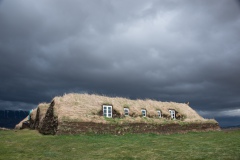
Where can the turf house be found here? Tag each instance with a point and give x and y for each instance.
(84, 113)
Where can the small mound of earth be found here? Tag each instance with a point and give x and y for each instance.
(5, 129)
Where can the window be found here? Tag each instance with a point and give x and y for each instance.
(159, 113)
(126, 111)
(107, 111)
(144, 112)
(172, 113)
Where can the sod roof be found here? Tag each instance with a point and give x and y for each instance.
(88, 108)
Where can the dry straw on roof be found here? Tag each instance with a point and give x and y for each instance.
(86, 108)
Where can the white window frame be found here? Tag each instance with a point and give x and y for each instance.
(107, 111)
(144, 110)
(159, 113)
(126, 109)
(172, 113)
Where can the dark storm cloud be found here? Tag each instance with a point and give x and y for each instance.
(166, 50)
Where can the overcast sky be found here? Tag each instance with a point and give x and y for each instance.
(168, 50)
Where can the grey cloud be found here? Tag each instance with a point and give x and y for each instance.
(15, 105)
(165, 50)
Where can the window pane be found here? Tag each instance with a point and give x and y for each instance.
(104, 107)
(144, 113)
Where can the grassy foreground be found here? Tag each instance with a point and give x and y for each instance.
(29, 144)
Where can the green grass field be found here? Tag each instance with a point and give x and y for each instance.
(29, 144)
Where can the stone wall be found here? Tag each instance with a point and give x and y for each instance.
(100, 128)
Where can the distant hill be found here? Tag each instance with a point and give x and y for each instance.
(230, 127)
(9, 118)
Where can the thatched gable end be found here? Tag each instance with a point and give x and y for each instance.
(50, 121)
(34, 120)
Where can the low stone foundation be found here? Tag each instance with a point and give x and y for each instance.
(119, 129)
